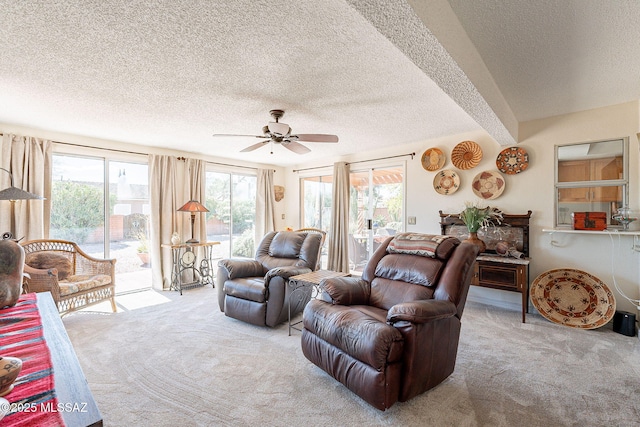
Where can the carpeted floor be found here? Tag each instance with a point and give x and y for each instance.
(169, 360)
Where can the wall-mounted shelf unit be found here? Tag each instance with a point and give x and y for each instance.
(604, 232)
(610, 233)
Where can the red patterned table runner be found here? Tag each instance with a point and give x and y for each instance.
(33, 401)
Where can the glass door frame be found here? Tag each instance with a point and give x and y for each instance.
(370, 225)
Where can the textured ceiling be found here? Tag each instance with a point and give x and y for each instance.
(552, 57)
(170, 74)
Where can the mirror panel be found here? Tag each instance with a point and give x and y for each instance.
(591, 177)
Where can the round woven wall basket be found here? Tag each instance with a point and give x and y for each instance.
(573, 298)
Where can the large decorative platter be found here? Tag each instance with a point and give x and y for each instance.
(488, 185)
(573, 298)
(446, 182)
(512, 160)
(466, 155)
(433, 159)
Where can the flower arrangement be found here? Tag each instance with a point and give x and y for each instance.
(474, 217)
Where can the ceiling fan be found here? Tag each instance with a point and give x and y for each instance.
(280, 133)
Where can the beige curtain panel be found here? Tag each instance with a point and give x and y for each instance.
(163, 219)
(339, 233)
(29, 161)
(196, 170)
(265, 204)
(172, 183)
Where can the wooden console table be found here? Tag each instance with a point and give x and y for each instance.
(75, 403)
(70, 382)
(185, 260)
(490, 269)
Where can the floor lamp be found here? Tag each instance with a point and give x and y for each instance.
(193, 206)
(12, 194)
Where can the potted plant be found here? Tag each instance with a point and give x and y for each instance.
(476, 217)
(143, 249)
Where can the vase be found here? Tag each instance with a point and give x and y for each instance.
(9, 369)
(474, 240)
(175, 239)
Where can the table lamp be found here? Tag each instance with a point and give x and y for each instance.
(12, 194)
(193, 206)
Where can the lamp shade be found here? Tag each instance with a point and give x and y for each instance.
(14, 193)
(193, 206)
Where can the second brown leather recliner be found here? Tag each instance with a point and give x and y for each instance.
(255, 290)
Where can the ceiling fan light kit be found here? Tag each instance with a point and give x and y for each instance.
(279, 128)
(280, 133)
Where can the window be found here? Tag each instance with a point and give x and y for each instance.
(231, 200)
(591, 177)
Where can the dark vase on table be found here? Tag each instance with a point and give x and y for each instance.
(475, 240)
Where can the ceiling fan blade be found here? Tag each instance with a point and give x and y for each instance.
(217, 135)
(254, 146)
(315, 137)
(295, 147)
(279, 128)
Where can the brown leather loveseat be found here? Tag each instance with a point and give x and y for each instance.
(393, 334)
(255, 290)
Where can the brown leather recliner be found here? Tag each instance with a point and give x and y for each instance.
(255, 290)
(393, 333)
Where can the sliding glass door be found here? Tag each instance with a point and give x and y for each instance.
(231, 200)
(103, 206)
(376, 211)
(315, 211)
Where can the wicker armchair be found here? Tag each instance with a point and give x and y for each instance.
(76, 280)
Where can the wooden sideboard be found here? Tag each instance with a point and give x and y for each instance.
(490, 269)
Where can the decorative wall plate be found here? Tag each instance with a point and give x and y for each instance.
(446, 182)
(488, 185)
(466, 155)
(512, 160)
(433, 159)
(573, 298)
(278, 191)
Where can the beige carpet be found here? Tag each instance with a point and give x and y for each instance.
(178, 361)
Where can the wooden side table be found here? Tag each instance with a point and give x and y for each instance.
(303, 286)
(184, 258)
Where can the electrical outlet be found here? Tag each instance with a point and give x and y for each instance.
(411, 220)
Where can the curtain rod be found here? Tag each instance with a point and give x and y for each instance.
(142, 154)
(100, 148)
(359, 161)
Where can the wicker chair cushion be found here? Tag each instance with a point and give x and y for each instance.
(46, 260)
(82, 282)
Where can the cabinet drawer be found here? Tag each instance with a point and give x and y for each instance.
(500, 276)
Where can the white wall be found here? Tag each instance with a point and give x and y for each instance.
(611, 260)
(531, 190)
